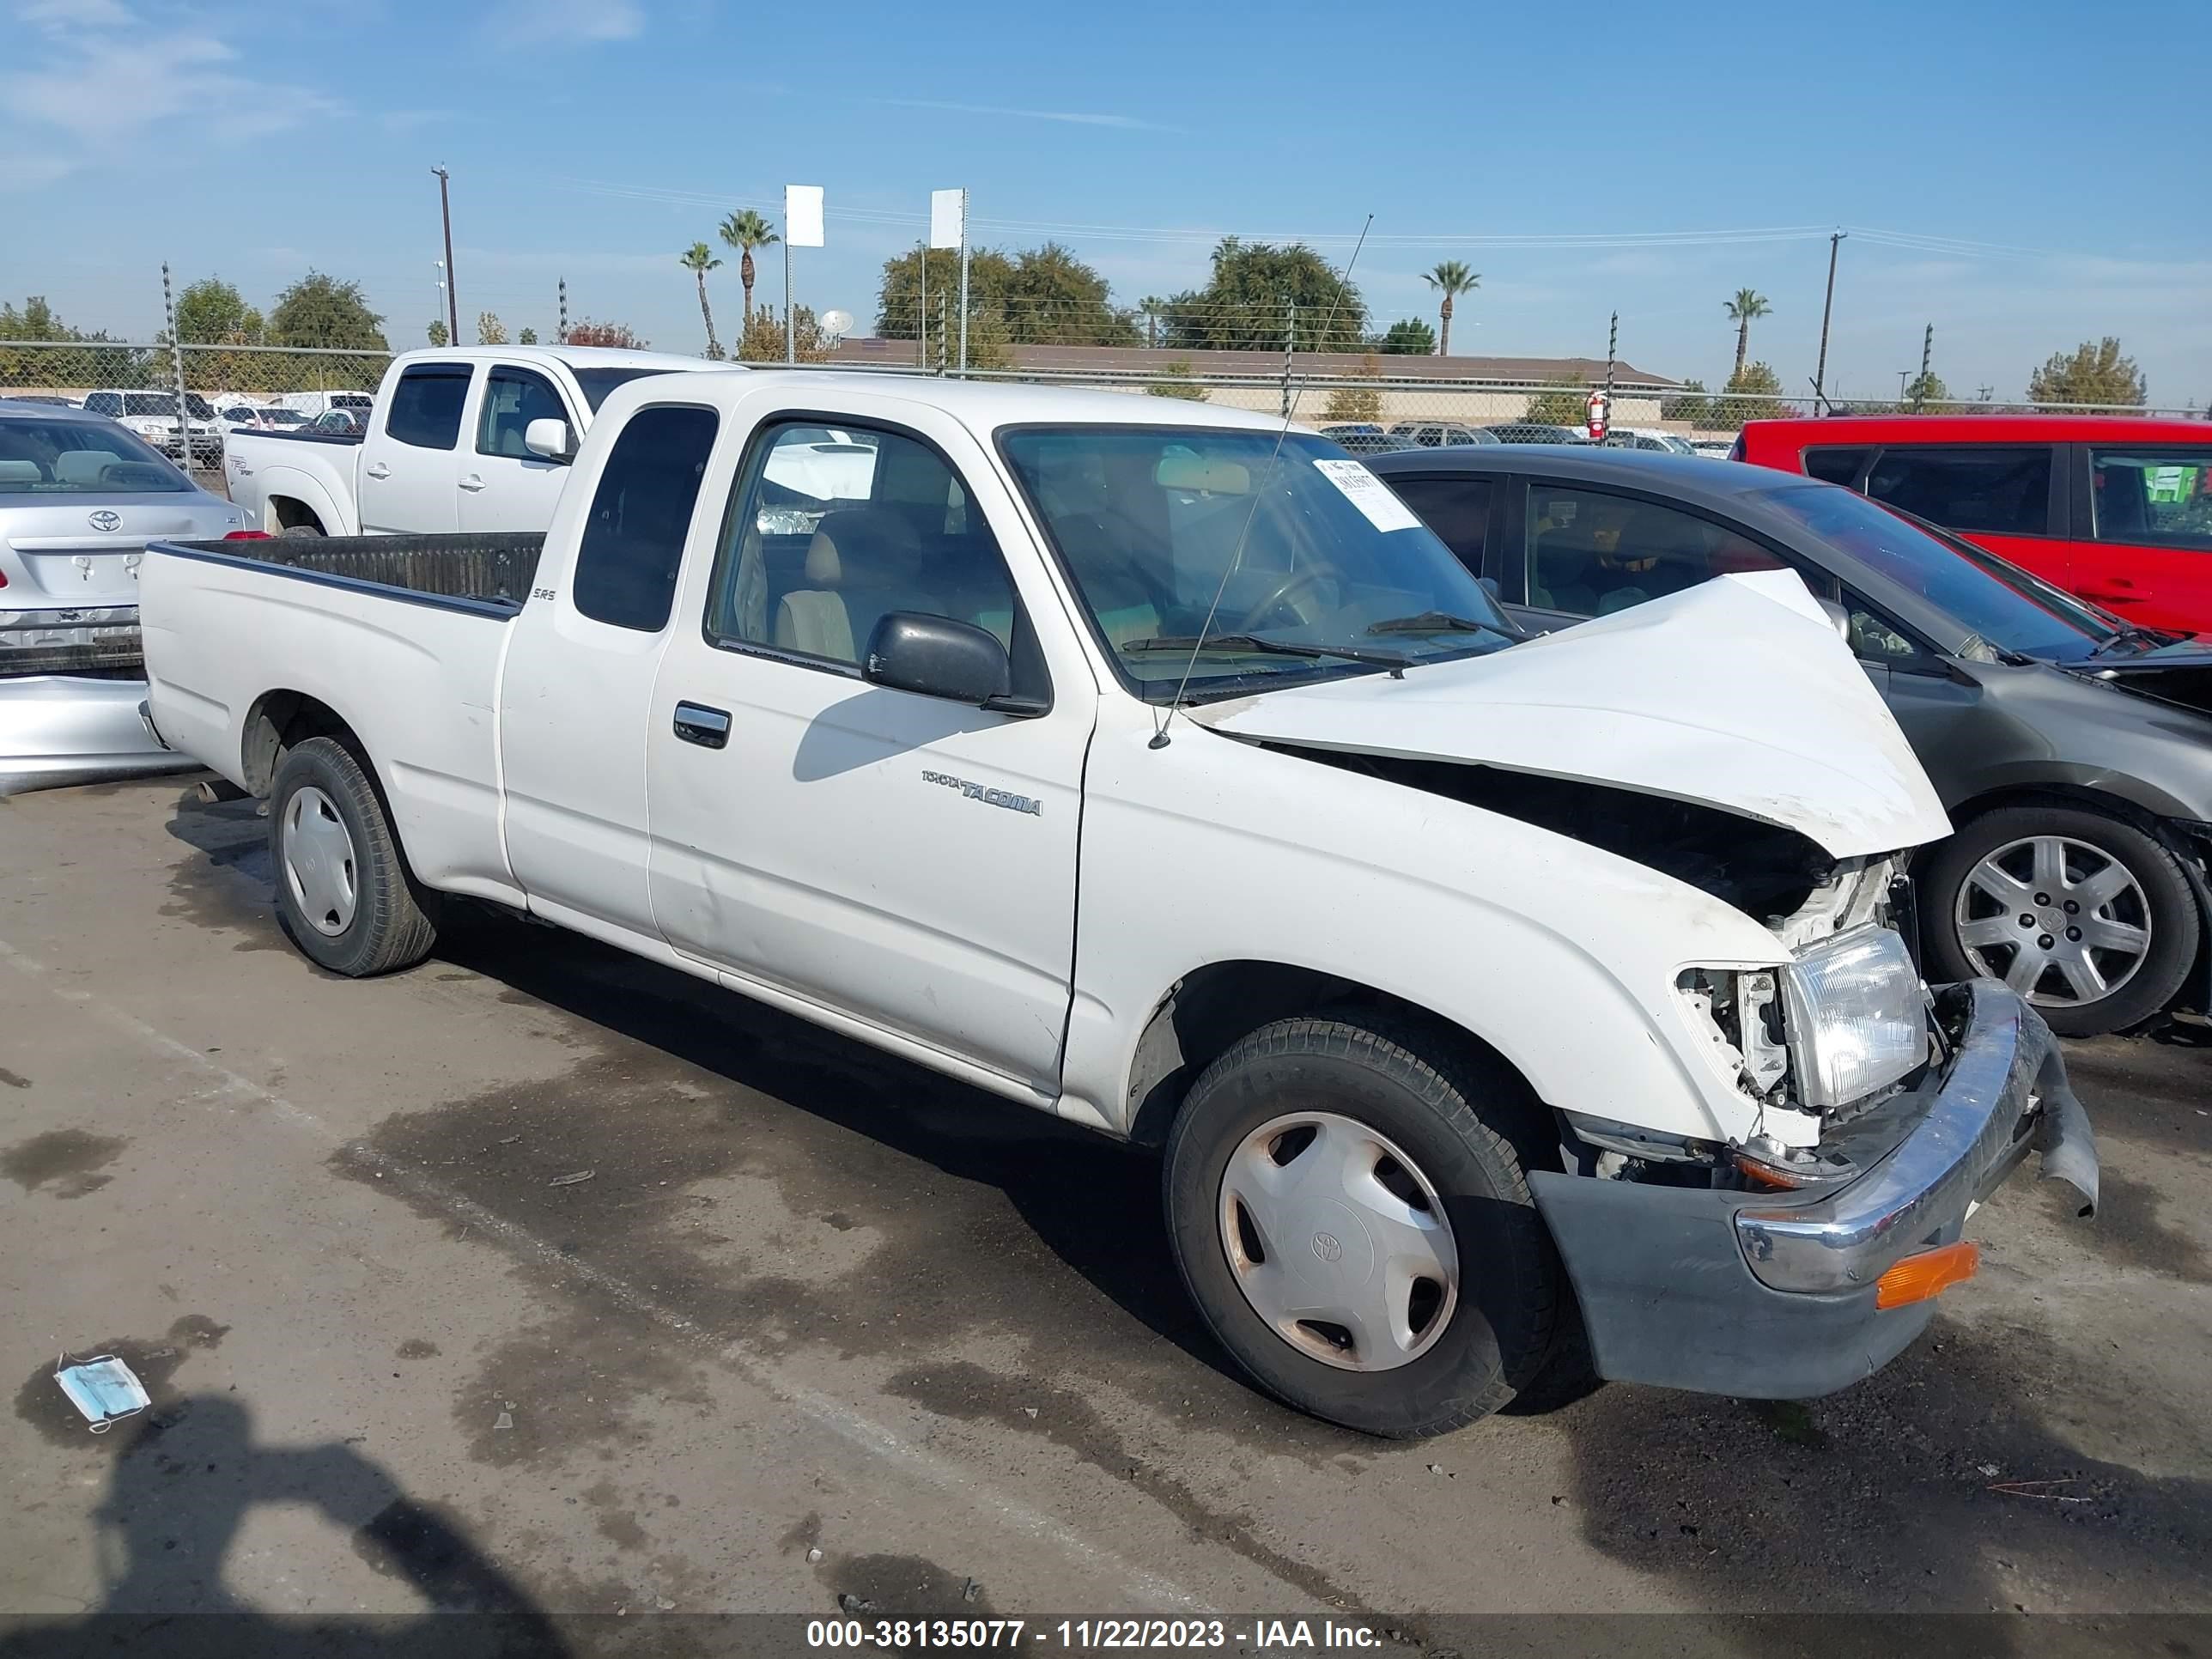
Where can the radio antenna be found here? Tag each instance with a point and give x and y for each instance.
(1160, 738)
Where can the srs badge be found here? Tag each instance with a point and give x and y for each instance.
(989, 797)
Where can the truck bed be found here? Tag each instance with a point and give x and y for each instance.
(473, 570)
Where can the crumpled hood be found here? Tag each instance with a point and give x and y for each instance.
(1737, 694)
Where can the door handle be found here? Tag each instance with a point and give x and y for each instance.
(378, 470)
(707, 727)
(473, 482)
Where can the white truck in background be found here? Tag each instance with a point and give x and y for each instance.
(447, 449)
(1153, 765)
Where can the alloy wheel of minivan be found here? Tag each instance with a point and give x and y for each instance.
(2056, 919)
(2086, 915)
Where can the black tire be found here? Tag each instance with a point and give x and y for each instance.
(2169, 900)
(388, 929)
(300, 530)
(1451, 1112)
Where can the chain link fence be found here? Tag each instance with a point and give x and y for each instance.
(1393, 398)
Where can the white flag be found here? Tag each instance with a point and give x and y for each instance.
(802, 214)
(948, 218)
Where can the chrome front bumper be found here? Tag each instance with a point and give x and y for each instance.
(2002, 1095)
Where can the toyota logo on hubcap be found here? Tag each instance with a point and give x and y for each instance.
(1325, 1246)
(106, 519)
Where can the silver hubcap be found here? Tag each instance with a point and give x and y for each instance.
(318, 863)
(2060, 922)
(1339, 1242)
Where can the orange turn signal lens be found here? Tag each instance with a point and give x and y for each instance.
(1929, 1273)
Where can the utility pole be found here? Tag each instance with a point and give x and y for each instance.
(561, 338)
(1901, 376)
(941, 331)
(452, 301)
(1289, 347)
(1927, 349)
(1611, 341)
(1821, 370)
(790, 315)
(922, 311)
(964, 283)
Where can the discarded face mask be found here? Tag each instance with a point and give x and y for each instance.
(104, 1389)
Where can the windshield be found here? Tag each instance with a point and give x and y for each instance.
(1148, 521)
(80, 457)
(1965, 590)
(149, 403)
(597, 382)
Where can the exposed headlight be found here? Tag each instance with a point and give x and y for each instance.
(1853, 1015)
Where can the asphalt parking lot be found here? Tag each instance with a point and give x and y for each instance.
(538, 1277)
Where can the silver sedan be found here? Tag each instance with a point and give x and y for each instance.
(80, 497)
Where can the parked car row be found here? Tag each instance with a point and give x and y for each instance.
(1506, 1007)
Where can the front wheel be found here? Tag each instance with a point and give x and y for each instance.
(2087, 917)
(1356, 1230)
(343, 890)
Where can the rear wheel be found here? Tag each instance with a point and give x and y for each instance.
(2084, 914)
(300, 530)
(343, 890)
(1356, 1230)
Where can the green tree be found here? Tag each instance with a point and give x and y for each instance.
(1039, 296)
(699, 260)
(2090, 373)
(1358, 402)
(762, 339)
(211, 312)
(35, 321)
(1451, 279)
(321, 311)
(1242, 307)
(489, 330)
(1926, 387)
(745, 231)
(112, 366)
(1175, 381)
(1566, 404)
(528, 336)
(1409, 336)
(1690, 404)
(1756, 390)
(438, 333)
(1742, 311)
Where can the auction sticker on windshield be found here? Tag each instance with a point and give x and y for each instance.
(1370, 495)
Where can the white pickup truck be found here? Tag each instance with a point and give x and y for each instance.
(446, 449)
(1501, 1006)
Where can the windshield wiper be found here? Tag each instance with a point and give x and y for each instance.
(1392, 660)
(1435, 621)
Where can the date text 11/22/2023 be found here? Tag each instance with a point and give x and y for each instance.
(1273, 1635)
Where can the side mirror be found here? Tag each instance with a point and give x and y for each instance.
(550, 439)
(1838, 618)
(937, 657)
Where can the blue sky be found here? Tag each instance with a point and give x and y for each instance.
(2002, 165)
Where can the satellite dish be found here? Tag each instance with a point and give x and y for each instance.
(836, 324)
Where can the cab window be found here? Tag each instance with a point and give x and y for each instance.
(831, 530)
(513, 398)
(633, 543)
(1457, 509)
(1591, 553)
(426, 405)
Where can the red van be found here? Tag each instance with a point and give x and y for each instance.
(2117, 510)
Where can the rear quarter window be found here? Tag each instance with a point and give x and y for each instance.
(633, 543)
(426, 405)
(2004, 491)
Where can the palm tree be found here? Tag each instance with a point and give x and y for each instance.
(699, 260)
(744, 232)
(1746, 304)
(1450, 279)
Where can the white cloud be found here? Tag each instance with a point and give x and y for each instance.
(1074, 117)
(98, 76)
(565, 22)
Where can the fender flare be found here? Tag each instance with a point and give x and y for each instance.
(301, 485)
